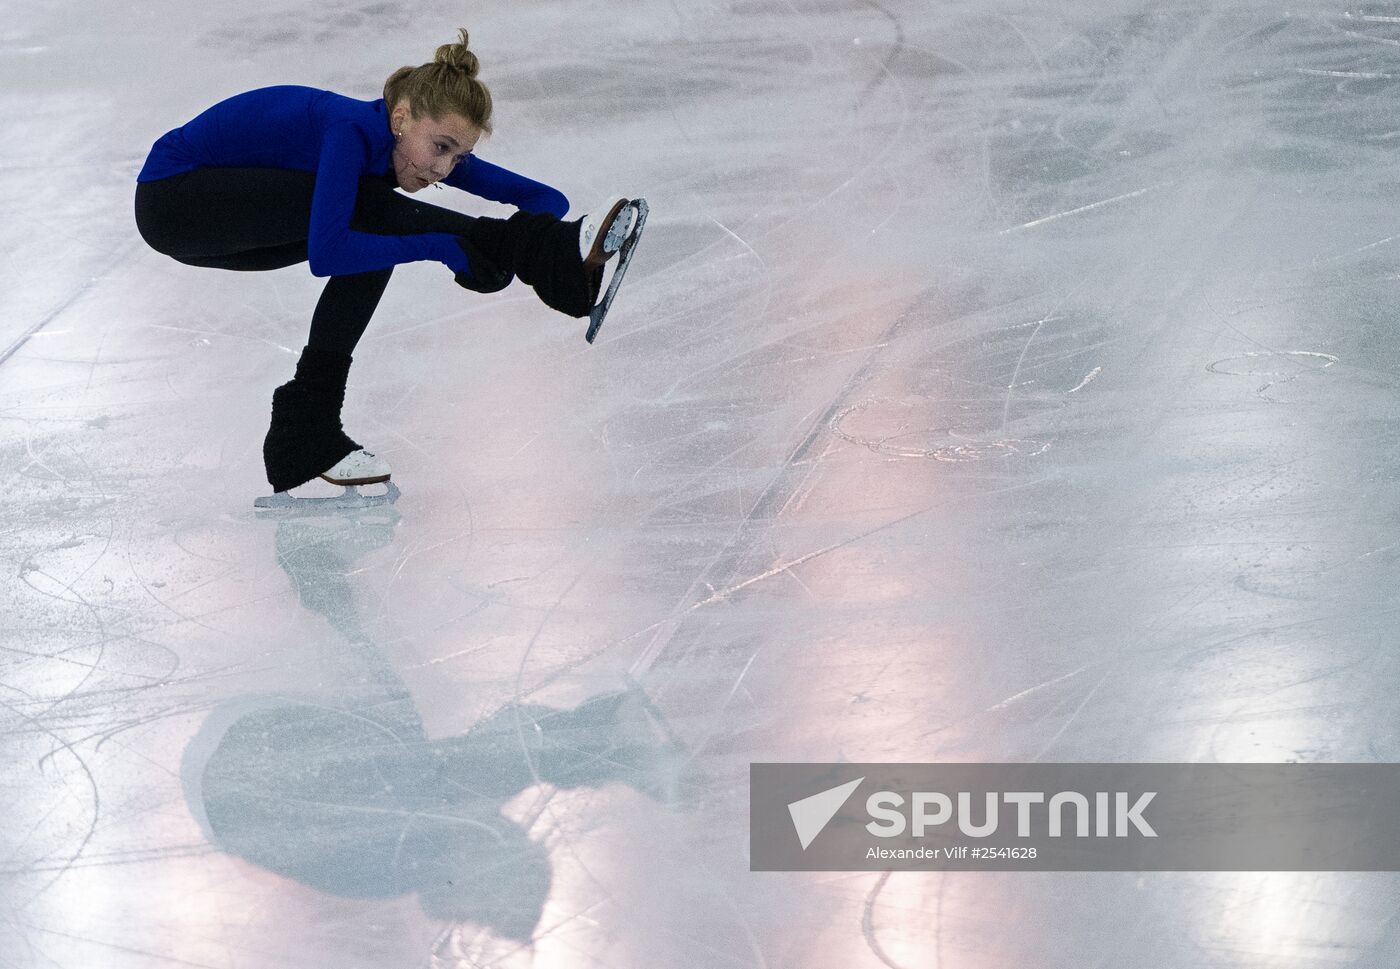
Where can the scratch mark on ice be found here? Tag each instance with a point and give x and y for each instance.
(1088, 377)
(1083, 208)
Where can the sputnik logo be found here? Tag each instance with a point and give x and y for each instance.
(811, 814)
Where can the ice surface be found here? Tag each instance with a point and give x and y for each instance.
(996, 383)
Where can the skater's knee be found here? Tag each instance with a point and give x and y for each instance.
(156, 233)
(251, 260)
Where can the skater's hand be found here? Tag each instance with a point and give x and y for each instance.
(484, 275)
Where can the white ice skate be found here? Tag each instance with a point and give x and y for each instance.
(614, 232)
(356, 468)
(604, 229)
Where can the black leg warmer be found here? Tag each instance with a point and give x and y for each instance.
(543, 252)
(306, 438)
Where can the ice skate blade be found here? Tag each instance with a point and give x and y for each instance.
(351, 497)
(624, 257)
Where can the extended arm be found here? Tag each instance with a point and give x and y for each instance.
(481, 178)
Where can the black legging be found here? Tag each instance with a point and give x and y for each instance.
(251, 219)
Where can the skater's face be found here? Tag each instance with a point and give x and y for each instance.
(426, 149)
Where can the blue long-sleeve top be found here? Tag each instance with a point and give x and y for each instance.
(341, 140)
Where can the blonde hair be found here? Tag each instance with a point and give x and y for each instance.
(446, 86)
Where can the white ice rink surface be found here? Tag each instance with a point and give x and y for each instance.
(996, 382)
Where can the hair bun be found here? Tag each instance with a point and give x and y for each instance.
(458, 55)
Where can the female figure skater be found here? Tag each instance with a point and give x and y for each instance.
(284, 175)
